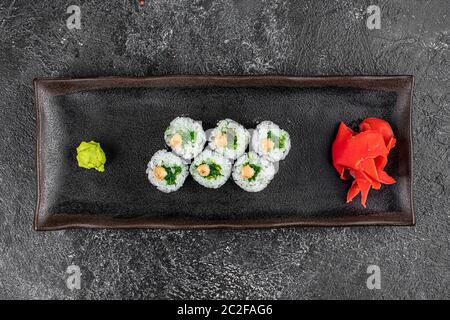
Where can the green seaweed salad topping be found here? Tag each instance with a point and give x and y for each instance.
(215, 170)
(193, 136)
(235, 138)
(281, 139)
(189, 136)
(235, 142)
(172, 172)
(255, 168)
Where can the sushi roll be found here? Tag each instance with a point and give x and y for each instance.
(252, 172)
(167, 171)
(210, 169)
(229, 138)
(186, 137)
(270, 141)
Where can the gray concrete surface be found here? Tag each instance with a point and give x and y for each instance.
(225, 37)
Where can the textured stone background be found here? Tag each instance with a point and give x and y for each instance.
(225, 37)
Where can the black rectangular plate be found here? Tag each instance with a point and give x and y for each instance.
(128, 117)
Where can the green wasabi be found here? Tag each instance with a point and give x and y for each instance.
(91, 156)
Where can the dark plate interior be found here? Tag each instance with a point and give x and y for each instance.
(128, 116)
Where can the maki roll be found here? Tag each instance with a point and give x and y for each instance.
(167, 171)
(271, 141)
(210, 169)
(229, 138)
(252, 172)
(186, 137)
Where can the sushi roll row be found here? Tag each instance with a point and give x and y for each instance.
(224, 156)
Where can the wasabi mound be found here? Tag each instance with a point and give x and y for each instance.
(91, 156)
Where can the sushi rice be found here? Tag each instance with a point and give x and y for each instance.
(270, 141)
(186, 137)
(210, 169)
(252, 172)
(229, 138)
(167, 171)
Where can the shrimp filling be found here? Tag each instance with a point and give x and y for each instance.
(175, 140)
(221, 140)
(203, 170)
(160, 173)
(267, 144)
(247, 172)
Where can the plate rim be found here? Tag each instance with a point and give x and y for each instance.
(58, 86)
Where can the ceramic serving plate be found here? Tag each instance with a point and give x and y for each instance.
(128, 117)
